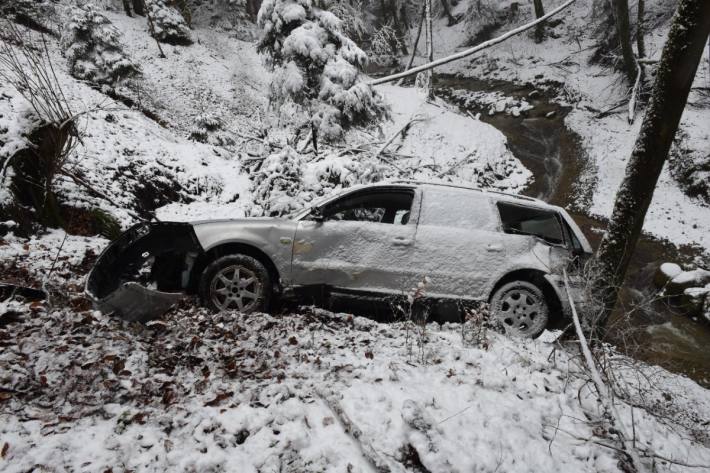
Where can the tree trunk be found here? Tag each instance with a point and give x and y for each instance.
(416, 42)
(640, 44)
(621, 15)
(674, 78)
(397, 27)
(447, 12)
(429, 46)
(540, 28)
(127, 7)
(139, 7)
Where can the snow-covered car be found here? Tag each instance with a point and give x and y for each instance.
(378, 240)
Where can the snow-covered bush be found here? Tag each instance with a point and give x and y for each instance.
(277, 187)
(317, 68)
(167, 23)
(93, 48)
(208, 128)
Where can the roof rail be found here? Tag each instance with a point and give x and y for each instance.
(459, 186)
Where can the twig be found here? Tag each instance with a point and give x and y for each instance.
(51, 269)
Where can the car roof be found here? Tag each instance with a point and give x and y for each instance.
(497, 195)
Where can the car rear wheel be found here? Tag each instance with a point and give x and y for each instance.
(236, 282)
(521, 309)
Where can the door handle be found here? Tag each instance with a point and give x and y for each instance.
(402, 241)
(494, 248)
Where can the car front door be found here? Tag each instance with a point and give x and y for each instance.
(457, 244)
(362, 241)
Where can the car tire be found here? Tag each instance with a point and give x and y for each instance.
(520, 307)
(236, 282)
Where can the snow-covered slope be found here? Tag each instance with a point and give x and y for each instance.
(312, 392)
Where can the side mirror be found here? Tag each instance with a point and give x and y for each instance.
(317, 214)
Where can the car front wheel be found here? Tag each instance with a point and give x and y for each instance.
(521, 309)
(236, 282)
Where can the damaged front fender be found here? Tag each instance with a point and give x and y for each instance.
(145, 271)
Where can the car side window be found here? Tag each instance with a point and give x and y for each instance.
(459, 208)
(523, 220)
(381, 206)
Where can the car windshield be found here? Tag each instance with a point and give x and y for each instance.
(523, 220)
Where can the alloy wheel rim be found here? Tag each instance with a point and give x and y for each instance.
(235, 287)
(520, 312)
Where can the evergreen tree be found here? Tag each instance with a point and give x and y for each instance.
(316, 69)
(167, 24)
(93, 48)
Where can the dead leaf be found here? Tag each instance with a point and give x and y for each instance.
(369, 354)
(219, 398)
(5, 448)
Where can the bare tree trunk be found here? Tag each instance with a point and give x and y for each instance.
(416, 41)
(127, 7)
(674, 78)
(621, 15)
(397, 27)
(151, 27)
(447, 12)
(139, 7)
(429, 46)
(540, 28)
(640, 44)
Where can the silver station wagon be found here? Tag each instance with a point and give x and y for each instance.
(369, 241)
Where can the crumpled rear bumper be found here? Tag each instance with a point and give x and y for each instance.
(145, 271)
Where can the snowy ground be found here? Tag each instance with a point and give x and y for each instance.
(564, 58)
(307, 391)
(314, 391)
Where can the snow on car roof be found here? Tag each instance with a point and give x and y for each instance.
(507, 196)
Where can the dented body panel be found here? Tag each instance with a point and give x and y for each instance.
(272, 236)
(454, 236)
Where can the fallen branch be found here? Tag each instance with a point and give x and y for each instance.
(635, 92)
(396, 134)
(368, 451)
(470, 51)
(602, 391)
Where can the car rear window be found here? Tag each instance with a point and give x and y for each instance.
(522, 220)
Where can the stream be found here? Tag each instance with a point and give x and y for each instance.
(539, 138)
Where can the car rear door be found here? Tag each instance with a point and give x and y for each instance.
(364, 242)
(457, 244)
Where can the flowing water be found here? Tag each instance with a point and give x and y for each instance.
(551, 151)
